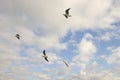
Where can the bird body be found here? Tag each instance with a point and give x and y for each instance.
(45, 56)
(66, 63)
(67, 13)
(17, 36)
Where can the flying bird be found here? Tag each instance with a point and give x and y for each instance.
(45, 56)
(66, 63)
(67, 13)
(17, 36)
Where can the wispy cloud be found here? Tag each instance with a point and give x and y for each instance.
(114, 56)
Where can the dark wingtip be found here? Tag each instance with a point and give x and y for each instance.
(43, 50)
(46, 59)
(69, 8)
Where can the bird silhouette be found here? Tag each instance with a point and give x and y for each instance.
(45, 56)
(66, 63)
(17, 36)
(67, 13)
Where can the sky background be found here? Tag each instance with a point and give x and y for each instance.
(89, 41)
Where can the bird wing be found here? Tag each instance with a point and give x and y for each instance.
(18, 37)
(67, 11)
(46, 59)
(44, 52)
(66, 16)
(66, 63)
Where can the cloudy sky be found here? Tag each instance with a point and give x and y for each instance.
(89, 41)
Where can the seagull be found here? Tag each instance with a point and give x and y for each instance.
(18, 36)
(66, 63)
(44, 55)
(67, 13)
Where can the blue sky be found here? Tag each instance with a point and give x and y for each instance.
(89, 41)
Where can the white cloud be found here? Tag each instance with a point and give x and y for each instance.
(42, 76)
(85, 14)
(86, 50)
(114, 56)
(93, 14)
(21, 16)
(93, 72)
(116, 3)
(53, 57)
(41, 24)
(108, 35)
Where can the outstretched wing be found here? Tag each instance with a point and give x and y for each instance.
(18, 37)
(66, 16)
(66, 63)
(44, 52)
(67, 11)
(46, 59)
